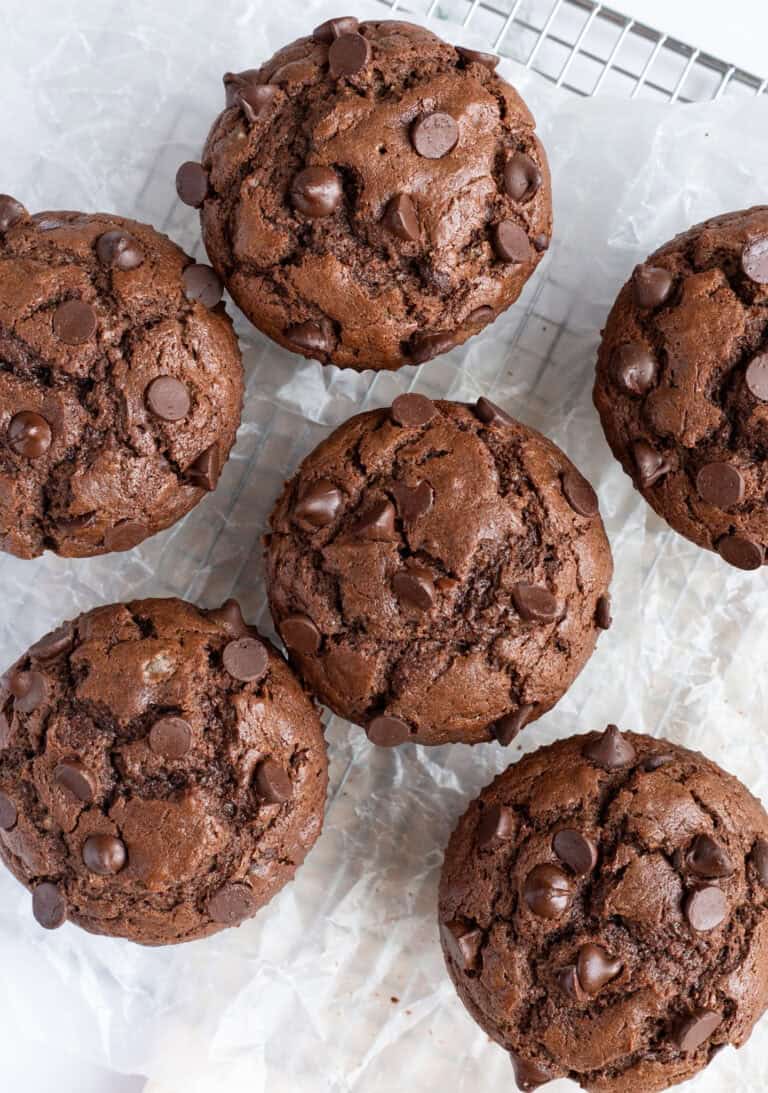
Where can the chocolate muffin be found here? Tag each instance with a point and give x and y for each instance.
(604, 912)
(438, 572)
(162, 772)
(682, 384)
(120, 382)
(371, 195)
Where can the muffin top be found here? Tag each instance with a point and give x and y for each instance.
(682, 384)
(120, 382)
(162, 773)
(371, 195)
(604, 912)
(438, 572)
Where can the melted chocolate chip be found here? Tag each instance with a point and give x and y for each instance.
(528, 1076)
(271, 783)
(434, 135)
(231, 904)
(192, 184)
(11, 212)
(651, 465)
(401, 218)
(312, 336)
(756, 377)
(497, 824)
(377, 523)
(491, 414)
(474, 57)
(414, 588)
(705, 908)
(387, 731)
(349, 54)
(412, 411)
(29, 435)
(73, 776)
(28, 690)
(202, 284)
(741, 552)
(300, 634)
(707, 858)
(204, 472)
(246, 659)
(104, 854)
(522, 177)
(424, 347)
(319, 505)
(74, 322)
(610, 750)
(125, 535)
(534, 603)
(721, 485)
(168, 398)
(510, 242)
(316, 192)
(48, 905)
(634, 368)
(547, 891)
(595, 968)
(696, 1029)
(579, 494)
(335, 28)
(412, 501)
(463, 942)
(506, 728)
(603, 617)
(575, 850)
(170, 737)
(54, 644)
(651, 286)
(119, 250)
(256, 101)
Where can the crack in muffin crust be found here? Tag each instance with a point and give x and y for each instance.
(604, 912)
(438, 572)
(162, 773)
(376, 215)
(120, 382)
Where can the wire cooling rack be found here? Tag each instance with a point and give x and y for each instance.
(590, 49)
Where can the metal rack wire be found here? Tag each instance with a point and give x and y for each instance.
(591, 49)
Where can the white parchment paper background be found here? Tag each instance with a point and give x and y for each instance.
(339, 985)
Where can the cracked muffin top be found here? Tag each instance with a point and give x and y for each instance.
(682, 384)
(120, 382)
(604, 912)
(162, 772)
(372, 196)
(438, 572)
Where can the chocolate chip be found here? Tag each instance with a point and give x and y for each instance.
(170, 737)
(497, 824)
(707, 858)
(52, 645)
(634, 368)
(335, 28)
(759, 859)
(202, 284)
(319, 504)
(506, 728)
(387, 731)
(603, 617)
(316, 192)
(741, 552)
(609, 750)
(756, 377)
(231, 904)
(463, 942)
(29, 434)
(721, 485)
(541, 242)
(401, 219)
(510, 242)
(528, 1075)
(168, 398)
(412, 501)
(348, 55)
(473, 56)
(705, 908)
(411, 411)
(312, 336)
(204, 472)
(377, 523)
(579, 494)
(300, 634)
(651, 286)
(575, 850)
(480, 316)
(8, 813)
(595, 967)
(230, 616)
(28, 690)
(192, 184)
(491, 414)
(423, 347)
(522, 177)
(256, 100)
(534, 603)
(271, 783)
(104, 854)
(434, 135)
(235, 82)
(547, 891)
(48, 905)
(74, 777)
(754, 260)
(125, 535)
(696, 1029)
(414, 588)
(119, 250)
(651, 465)
(11, 212)
(246, 659)
(655, 762)
(74, 322)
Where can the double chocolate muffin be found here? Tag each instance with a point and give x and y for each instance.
(162, 772)
(682, 384)
(438, 572)
(371, 195)
(120, 382)
(604, 912)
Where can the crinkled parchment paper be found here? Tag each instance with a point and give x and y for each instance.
(339, 984)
